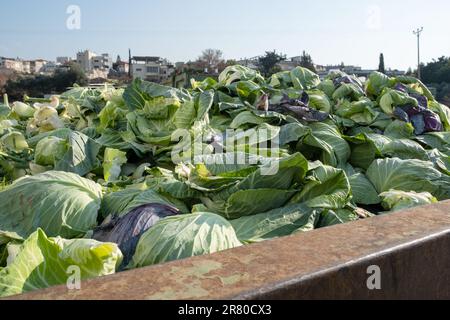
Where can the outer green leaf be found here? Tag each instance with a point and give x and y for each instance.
(328, 188)
(376, 83)
(60, 203)
(404, 149)
(275, 223)
(399, 130)
(408, 175)
(334, 217)
(184, 236)
(267, 188)
(81, 157)
(137, 93)
(304, 79)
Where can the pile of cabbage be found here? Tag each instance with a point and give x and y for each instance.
(90, 186)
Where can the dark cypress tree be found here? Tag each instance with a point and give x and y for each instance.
(381, 67)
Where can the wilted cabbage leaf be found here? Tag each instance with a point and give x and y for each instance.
(45, 119)
(23, 110)
(395, 200)
(112, 163)
(41, 262)
(14, 141)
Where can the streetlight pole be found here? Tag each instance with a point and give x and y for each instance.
(417, 33)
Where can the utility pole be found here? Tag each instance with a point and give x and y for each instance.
(417, 33)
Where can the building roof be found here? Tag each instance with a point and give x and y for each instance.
(147, 58)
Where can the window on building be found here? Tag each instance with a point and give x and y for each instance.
(153, 69)
(138, 69)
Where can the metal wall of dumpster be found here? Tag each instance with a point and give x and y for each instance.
(411, 249)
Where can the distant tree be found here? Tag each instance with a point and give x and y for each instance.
(436, 74)
(230, 62)
(381, 67)
(409, 72)
(307, 62)
(118, 59)
(268, 63)
(75, 75)
(210, 59)
(41, 85)
(437, 71)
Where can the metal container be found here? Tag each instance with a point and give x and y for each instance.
(405, 255)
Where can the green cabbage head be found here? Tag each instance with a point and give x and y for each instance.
(50, 150)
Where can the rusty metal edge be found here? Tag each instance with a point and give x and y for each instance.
(298, 284)
(329, 263)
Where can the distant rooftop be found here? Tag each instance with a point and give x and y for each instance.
(147, 58)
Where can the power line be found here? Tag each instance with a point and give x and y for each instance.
(417, 33)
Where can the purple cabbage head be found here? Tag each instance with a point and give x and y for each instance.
(423, 119)
(299, 109)
(344, 79)
(401, 87)
(422, 100)
(126, 231)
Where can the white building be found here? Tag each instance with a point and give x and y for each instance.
(37, 66)
(122, 67)
(154, 69)
(11, 64)
(103, 62)
(84, 59)
(63, 60)
(90, 61)
(251, 63)
(50, 67)
(23, 66)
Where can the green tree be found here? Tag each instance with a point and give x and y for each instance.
(307, 62)
(268, 63)
(437, 71)
(381, 67)
(41, 85)
(437, 75)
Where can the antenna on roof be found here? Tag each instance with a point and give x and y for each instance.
(129, 63)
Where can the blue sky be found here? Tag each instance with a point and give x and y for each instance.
(347, 31)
